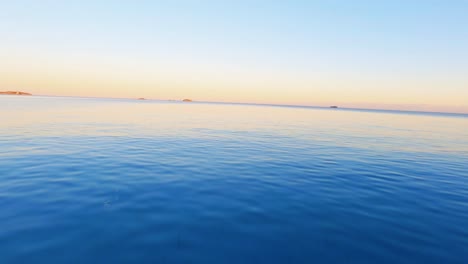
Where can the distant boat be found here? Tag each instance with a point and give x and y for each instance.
(333, 106)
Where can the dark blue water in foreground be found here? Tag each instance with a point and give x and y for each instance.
(122, 181)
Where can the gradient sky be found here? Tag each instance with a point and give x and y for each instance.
(376, 54)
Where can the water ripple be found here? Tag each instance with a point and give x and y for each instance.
(130, 182)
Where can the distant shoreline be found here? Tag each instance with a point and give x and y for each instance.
(462, 114)
(14, 93)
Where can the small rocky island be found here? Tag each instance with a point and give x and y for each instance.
(333, 106)
(187, 100)
(14, 93)
(141, 98)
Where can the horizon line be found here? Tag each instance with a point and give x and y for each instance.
(464, 114)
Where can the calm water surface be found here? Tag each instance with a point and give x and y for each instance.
(126, 181)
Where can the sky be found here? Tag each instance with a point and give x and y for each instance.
(391, 54)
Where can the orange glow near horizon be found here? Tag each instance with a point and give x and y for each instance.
(121, 80)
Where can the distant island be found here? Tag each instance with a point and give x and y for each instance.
(187, 100)
(333, 106)
(141, 98)
(14, 93)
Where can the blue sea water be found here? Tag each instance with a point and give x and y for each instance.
(127, 181)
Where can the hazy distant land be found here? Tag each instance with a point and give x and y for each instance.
(14, 93)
